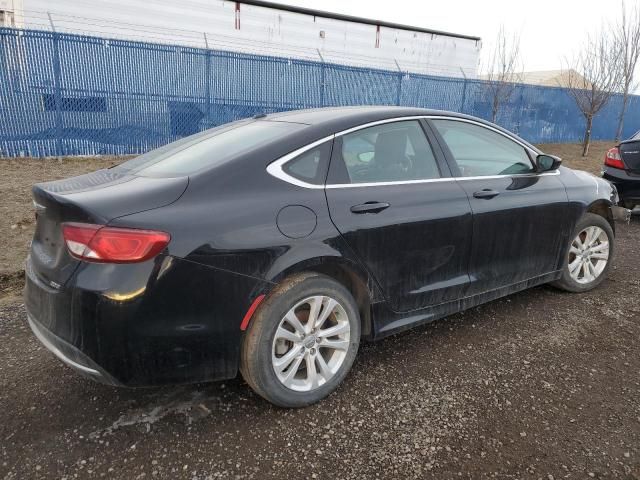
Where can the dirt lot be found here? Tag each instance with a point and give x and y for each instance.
(541, 384)
(571, 155)
(16, 210)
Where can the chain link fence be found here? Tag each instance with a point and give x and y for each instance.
(65, 94)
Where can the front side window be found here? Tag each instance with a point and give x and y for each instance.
(390, 152)
(479, 151)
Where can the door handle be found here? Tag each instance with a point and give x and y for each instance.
(370, 207)
(486, 193)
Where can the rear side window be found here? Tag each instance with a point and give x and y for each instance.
(310, 166)
(391, 152)
(479, 151)
(208, 149)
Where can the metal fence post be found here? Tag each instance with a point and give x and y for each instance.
(57, 88)
(207, 77)
(322, 77)
(520, 111)
(399, 89)
(464, 91)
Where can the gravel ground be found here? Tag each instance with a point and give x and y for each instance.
(541, 384)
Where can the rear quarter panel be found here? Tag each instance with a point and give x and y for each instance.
(240, 219)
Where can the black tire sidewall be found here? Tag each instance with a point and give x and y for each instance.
(267, 321)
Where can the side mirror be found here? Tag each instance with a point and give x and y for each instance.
(547, 163)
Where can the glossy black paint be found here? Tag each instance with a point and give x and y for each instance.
(417, 249)
(534, 209)
(627, 181)
(429, 222)
(236, 231)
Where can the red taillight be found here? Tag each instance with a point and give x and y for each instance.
(97, 243)
(613, 158)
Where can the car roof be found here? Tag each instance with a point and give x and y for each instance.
(353, 116)
(329, 120)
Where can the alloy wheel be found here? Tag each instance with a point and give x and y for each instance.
(588, 254)
(310, 343)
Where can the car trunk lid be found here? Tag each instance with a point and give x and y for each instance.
(630, 154)
(97, 198)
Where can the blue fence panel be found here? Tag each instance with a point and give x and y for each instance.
(353, 86)
(435, 92)
(63, 94)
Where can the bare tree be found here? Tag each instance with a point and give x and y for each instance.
(592, 77)
(627, 37)
(502, 68)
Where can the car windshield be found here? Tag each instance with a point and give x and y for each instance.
(208, 149)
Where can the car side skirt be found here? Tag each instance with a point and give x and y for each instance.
(387, 322)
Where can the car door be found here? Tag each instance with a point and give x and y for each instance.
(521, 220)
(400, 211)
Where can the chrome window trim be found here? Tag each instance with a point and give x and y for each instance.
(380, 122)
(275, 168)
(488, 127)
(447, 179)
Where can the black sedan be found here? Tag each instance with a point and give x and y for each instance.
(622, 168)
(275, 245)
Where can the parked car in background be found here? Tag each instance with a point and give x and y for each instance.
(622, 168)
(275, 245)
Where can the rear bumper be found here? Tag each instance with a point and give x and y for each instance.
(70, 355)
(627, 184)
(621, 214)
(165, 321)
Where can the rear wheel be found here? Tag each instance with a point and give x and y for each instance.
(589, 256)
(302, 341)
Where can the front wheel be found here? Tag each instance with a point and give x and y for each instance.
(302, 341)
(589, 257)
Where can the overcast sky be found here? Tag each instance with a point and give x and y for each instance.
(550, 30)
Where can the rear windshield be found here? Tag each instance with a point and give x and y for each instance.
(208, 149)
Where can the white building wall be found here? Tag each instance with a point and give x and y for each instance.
(8, 15)
(258, 30)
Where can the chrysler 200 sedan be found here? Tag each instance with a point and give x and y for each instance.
(275, 245)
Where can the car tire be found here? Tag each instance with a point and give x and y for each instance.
(272, 340)
(587, 277)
